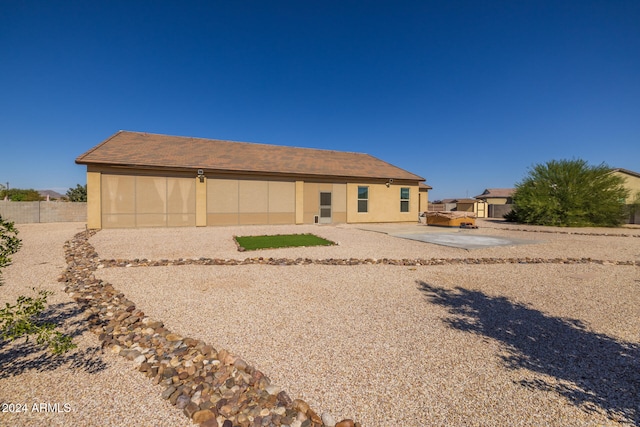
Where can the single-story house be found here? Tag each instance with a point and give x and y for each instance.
(631, 183)
(137, 179)
(497, 196)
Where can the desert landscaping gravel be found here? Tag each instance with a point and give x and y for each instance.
(98, 388)
(386, 345)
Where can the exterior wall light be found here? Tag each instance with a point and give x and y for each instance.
(201, 175)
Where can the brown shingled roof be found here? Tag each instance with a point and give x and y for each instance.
(146, 150)
(496, 192)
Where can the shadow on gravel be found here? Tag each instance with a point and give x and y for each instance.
(594, 371)
(21, 356)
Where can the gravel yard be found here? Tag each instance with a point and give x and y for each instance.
(353, 242)
(506, 344)
(100, 388)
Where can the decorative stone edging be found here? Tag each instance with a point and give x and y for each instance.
(214, 388)
(106, 263)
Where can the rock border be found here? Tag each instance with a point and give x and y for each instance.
(213, 388)
(108, 263)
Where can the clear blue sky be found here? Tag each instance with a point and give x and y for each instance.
(468, 94)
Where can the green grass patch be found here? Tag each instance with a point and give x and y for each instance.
(252, 243)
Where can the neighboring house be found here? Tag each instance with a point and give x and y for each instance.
(498, 201)
(139, 179)
(632, 183)
(497, 196)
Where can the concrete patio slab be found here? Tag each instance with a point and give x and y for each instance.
(406, 228)
(464, 241)
(445, 236)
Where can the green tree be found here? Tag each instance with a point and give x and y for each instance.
(569, 193)
(21, 195)
(78, 194)
(23, 318)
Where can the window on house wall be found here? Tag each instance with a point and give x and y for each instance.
(404, 200)
(363, 199)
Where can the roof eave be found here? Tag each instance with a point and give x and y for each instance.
(626, 171)
(417, 179)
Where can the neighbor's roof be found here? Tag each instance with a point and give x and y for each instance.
(627, 171)
(147, 150)
(496, 192)
(451, 201)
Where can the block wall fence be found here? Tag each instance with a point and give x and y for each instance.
(34, 212)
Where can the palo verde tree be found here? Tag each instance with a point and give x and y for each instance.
(569, 193)
(23, 318)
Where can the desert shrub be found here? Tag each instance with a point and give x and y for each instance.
(569, 193)
(22, 319)
(9, 243)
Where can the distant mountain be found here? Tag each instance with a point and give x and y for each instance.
(52, 194)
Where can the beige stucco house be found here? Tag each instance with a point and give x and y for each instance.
(497, 196)
(631, 183)
(139, 179)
